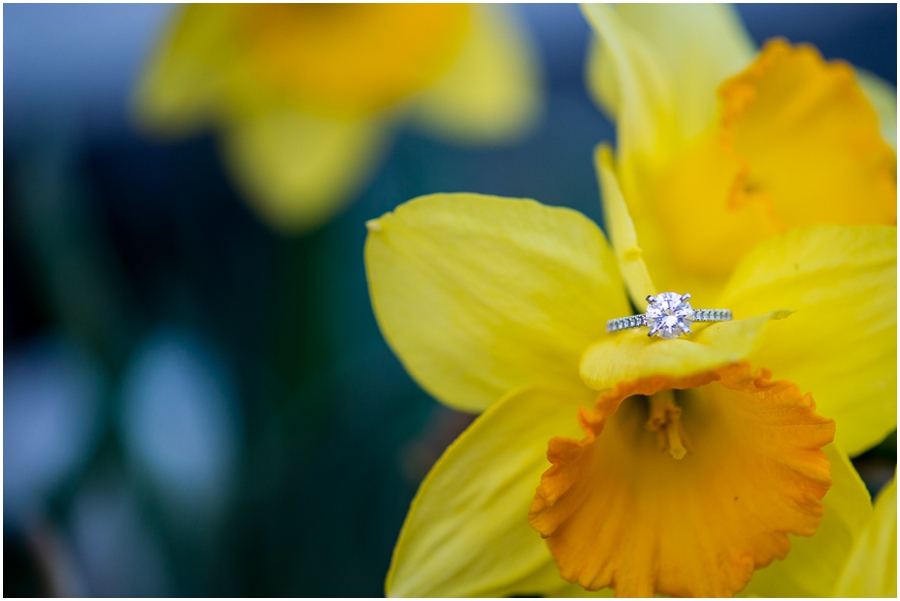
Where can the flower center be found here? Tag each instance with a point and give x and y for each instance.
(665, 420)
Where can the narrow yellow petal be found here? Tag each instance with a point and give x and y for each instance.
(871, 570)
(296, 170)
(814, 563)
(697, 47)
(478, 295)
(642, 98)
(841, 343)
(631, 354)
(492, 91)
(467, 534)
(621, 231)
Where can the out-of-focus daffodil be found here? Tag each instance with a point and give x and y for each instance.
(305, 96)
(693, 469)
(719, 149)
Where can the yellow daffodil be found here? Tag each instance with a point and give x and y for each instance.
(305, 96)
(721, 147)
(680, 466)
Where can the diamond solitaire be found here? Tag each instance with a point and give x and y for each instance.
(669, 315)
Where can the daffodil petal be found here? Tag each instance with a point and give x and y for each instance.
(871, 570)
(297, 170)
(492, 91)
(178, 90)
(814, 563)
(883, 97)
(641, 97)
(621, 231)
(697, 46)
(841, 343)
(631, 354)
(478, 295)
(467, 534)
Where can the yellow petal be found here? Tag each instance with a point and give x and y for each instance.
(296, 170)
(697, 47)
(466, 534)
(184, 77)
(871, 570)
(641, 97)
(491, 92)
(841, 343)
(631, 354)
(883, 97)
(621, 231)
(617, 512)
(478, 295)
(814, 563)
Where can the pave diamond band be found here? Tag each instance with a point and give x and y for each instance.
(712, 315)
(625, 323)
(669, 315)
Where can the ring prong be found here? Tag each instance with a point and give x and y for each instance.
(685, 296)
(650, 298)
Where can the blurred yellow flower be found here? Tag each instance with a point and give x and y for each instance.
(500, 305)
(719, 150)
(305, 96)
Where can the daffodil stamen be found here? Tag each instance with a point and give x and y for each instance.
(665, 420)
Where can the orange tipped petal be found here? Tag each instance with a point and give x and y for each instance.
(616, 511)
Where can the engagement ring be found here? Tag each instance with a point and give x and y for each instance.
(669, 315)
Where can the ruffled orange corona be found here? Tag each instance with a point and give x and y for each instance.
(684, 486)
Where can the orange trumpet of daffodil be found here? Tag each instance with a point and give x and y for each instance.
(305, 97)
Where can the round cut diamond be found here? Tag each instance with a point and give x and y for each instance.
(669, 315)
